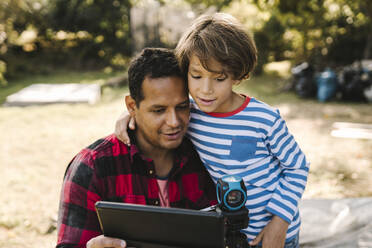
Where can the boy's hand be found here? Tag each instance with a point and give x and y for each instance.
(102, 242)
(121, 127)
(273, 235)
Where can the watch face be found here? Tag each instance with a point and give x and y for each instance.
(234, 198)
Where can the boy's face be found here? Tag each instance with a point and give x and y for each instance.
(163, 115)
(211, 90)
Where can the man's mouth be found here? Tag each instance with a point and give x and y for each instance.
(174, 135)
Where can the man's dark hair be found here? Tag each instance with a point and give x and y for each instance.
(153, 63)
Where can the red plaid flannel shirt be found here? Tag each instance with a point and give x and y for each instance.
(111, 171)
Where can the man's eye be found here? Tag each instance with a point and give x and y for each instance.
(184, 106)
(158, 110)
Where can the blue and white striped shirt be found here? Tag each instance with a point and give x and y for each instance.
(254, 143)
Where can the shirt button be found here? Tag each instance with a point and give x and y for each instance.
(151, 172)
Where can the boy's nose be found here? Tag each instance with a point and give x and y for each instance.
(206, 87)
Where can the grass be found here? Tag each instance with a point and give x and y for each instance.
(39, 141)
(268, 88)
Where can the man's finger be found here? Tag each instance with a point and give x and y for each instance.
(102, 241)
(132, 124)
(117, 243)
(121, 130)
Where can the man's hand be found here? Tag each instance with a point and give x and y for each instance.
(121, 127)
(106, 242)
(273, 235)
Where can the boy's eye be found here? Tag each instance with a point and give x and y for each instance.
(221, 79)
(195, 76)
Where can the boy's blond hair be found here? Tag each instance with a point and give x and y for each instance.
(222, 38)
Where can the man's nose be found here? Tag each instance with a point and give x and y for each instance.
(172, 119)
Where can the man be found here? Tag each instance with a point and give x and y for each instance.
(159, 168)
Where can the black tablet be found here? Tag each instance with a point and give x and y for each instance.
(155, 227)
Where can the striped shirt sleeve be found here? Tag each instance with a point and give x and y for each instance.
(294, 171)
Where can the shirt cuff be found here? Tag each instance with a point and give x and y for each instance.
(279, 209)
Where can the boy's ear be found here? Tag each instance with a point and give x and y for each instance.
(246, 77)
(237, 82)
(131, 105)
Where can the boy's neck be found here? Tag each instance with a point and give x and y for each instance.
(237, 100)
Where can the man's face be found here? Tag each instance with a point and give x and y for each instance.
(163, 115)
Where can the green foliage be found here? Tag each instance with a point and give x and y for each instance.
(38, 36)
(323, 32)
(3, 81)
(219, 4)
(104, 24)
(270, 42)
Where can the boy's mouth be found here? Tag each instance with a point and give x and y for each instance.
(205, 101)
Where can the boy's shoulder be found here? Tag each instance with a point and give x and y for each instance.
(254, 105)
(260, 106)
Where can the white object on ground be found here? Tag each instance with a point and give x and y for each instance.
(37, 94)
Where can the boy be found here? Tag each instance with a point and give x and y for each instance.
(237, 134)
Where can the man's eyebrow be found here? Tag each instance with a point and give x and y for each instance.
(164, 106)
(184, 102)
(157, 106)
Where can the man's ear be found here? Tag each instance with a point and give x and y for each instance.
(131, 105)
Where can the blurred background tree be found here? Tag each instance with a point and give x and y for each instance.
(323, 32)
(96, 31)
(37, 36)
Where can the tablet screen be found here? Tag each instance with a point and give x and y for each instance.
(152, 226)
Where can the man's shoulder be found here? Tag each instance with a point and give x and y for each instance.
(105, 147)
(99, 153)
(104, 143)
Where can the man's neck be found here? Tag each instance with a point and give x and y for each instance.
(163, 158)
(163, 161)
